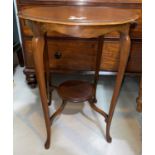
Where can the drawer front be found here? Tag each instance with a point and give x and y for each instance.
(66, 54)
(110, 57)
(80, 55)
(75, 54)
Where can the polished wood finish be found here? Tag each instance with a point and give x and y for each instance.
(124, 54)
(87, 27)
(38, 51)
(78, 16)
(68, 47)
(84, 50)
(111, 3)
(76, 91)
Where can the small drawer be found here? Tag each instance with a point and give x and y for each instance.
(72, 54)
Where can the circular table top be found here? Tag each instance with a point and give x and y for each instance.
(73, 15)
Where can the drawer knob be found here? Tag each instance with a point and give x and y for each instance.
(57, 55)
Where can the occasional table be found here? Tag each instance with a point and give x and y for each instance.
(81, 22)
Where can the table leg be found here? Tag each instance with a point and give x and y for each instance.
(139, 98)
(47, 72)
(124, 54)
(98, 63)
(38, 50)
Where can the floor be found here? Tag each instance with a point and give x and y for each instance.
(79, 130)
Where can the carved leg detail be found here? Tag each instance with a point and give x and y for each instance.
(124, 54)
(38, 49)
(58, 112)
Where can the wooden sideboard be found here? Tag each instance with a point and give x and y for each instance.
(63, 49)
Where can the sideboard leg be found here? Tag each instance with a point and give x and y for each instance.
(124, 54)
(30, 78)
(139, 98)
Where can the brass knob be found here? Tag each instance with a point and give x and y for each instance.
(57, 55)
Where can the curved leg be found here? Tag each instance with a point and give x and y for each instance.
(93, 106)
(38, 49)
(124, 54)
(60, 109)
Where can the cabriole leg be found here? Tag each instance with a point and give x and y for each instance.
(38, 49)
(124, 54)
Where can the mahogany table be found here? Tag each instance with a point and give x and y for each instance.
(82, 22)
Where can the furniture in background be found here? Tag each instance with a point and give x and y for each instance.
(62, 48)
(79, 22)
